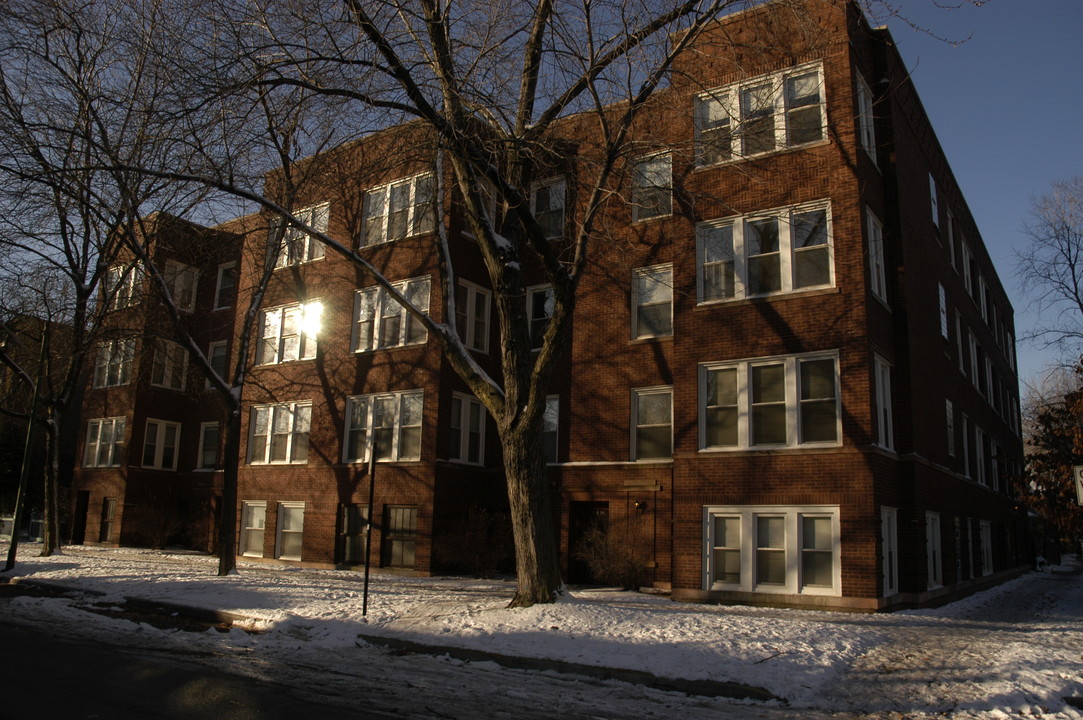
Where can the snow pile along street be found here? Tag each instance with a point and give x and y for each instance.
(1013, 651)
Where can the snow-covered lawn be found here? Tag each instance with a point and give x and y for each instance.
(1013, 651)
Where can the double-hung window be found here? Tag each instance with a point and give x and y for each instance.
(104, 438)
(934, 201)
(652, 301)
(219, 359)
(877, 266)
(289, 333)
(865, 126)
(296, 245)
(122, 286)
(467, 443)
(548, 200)
(550, 426)
(472, 315)
(943, 310)
(170, 365)
(769, 402)
(539, 310)
(291, 528)
(774, 549)
(113, 364)
(160, 444)
(399, 209)
(782, 250)
(933, 555)
(253, 526)
(381, 322)
(652, 187)
(764, 114)
(389, 423)
(226, 286)
(181, 280)
(210, 434)
(279, 433)
(652, 423)
(884, 432)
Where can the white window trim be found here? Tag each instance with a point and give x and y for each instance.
(884, 413)
(171, 355)
(943, 310)
(729, 98)
(934, 201)
(877, 260)
(310, 318)
(222, 270)
(311, 249)
(245, 551)
(645, 272)
(177, 273)
(123, 285)
(866, 126)
(965, 423)
(460, 454)
(638, 207)
(950, 418)
(396, 437)
(116, 444)
(552, 401)
(210, 360)
(934, 555)
(974, 360)
(413, 218)
(552, 182)
(787, 252)
(383, 300)
(793, 514)
(979, 455)
(791, 365)
(114, 353)
(201, 448)
(531, 292)
(291, 505)
(666, 390)
(477, 299)
(293, 434)
(160, 428)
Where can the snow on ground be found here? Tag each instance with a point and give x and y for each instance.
(1013, 651)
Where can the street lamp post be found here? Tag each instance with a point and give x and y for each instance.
(28, 451)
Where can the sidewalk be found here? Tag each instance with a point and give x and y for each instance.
(1016, 648)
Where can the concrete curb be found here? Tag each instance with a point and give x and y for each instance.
(703, 688)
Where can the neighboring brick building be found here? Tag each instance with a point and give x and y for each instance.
(791, 378)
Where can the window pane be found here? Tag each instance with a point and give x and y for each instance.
(424, 212)
(758, 119)
(817, 379)
(768, 383)
(762, 247)
(819, 421)
(803, 104)
(718, 265)
(727, 566)
(653, 408)
(812, 268)
(374, 217)
(653, 442)
(655, 320)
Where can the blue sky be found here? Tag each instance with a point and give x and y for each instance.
(1007, 106)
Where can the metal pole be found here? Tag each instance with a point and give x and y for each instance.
(28, 449)
(368, 530)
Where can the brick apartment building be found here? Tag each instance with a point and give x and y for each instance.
(791, 378)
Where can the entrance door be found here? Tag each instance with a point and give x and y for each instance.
(583, 518)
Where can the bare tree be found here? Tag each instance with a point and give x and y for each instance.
(1051, 267)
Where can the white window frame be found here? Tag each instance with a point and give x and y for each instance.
(113, 363)
(472, 310)
(982, 304)
(368, 334)
(973, 344)
(965, 424)
(661, 278)
(934, 201)
(123, 286)
(866, 128)
(885, 432)
(739, 275)
(979, 455)
(299, 415)
(877, 262)
(943, 310)
(204, 450)
(169, 368)
(225, 270)
(635, 424)
(297, 246)
(651, 198)
(160, 432)
(183, 283)
(793, 517)
(966, 260)
(744, 406)
(537, 323)
(934, 556)
(212, 347)
(950, 417)
(461, 453)
(280, 529)
(99, 455)
(558, 190)
(960, 350)
(273, 348)
(723, 111)
(249, 526)
(420, 212)
(950, 220)
(551, 430)
(367, 404)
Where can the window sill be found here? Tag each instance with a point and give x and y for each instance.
(766, 449)
(390, 348)
(651, 339)
(299, 264)
(764, 155)
(653, 218)
(284, 362)
(772, 297)
(364, 463)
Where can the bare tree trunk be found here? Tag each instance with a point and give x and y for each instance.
(51, 527)
(227, 525)
(536, 560)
